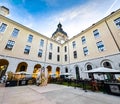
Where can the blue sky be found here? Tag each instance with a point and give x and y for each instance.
(44, 15)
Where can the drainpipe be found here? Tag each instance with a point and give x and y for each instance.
(112, 35)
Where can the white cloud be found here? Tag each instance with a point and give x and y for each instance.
(74, 20)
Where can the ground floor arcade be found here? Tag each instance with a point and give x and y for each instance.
(76, 69)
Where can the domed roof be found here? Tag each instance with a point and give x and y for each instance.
(59, 29)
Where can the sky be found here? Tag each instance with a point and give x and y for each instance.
(43, 16)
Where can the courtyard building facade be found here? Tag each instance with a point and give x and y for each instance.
(23, 49)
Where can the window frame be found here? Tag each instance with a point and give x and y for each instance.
(15, 32)
(101, 49)
(115, 22)
(40, 53)
(30, 38)
(85, 50)
(41, 43)
(3, 27)
(10, 44)
(96, 33)
(50, 56)
(74, 44)
(75, 54)
(83, 39)
(27, 49)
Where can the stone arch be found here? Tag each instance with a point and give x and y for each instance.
(22, 67)
(57, 72)
(3, 67)
(107, 63)
(36, 71)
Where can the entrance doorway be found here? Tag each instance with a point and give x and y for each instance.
(77, 73)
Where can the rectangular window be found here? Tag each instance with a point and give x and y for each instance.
(50, 55)
(58, 49)
(41, 43)
(30, 38)
(74, 44)
(58, 57)
(27, 49)
(40, 53)
(65, 48)
(3, 27)
(51, 46)
(100, 46)
(117, 22)
(96, 33)
(9, 45)
(15, 32)
(83, 40)
(75, 54)
(65, 57)
(85, 50)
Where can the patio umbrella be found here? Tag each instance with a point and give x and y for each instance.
(103, 70)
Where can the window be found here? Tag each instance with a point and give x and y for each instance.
(41, 42)
(74, 44)
(51, 46)
(30, 38)
(75, 54)
(65, 57)
(58, 49)
(85, 50)
(40, 53)
(58, 57)
(15, 32)
(96, 33)
(9, 45)
(3, 27)
(65, 48)
(27, 49)
(50, 55)
(83, 40)
(117, 22)
(100, 46)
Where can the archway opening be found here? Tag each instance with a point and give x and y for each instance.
(49, 70)
(3, 67)
(89, 67)
(57, 72)
(36, 71)
(77, 73)
(22, 67)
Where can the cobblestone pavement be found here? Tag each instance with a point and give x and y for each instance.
(53, 94)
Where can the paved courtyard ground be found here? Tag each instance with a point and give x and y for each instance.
(53, 94)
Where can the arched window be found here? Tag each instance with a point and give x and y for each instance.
(107, 65)
(89, 67)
